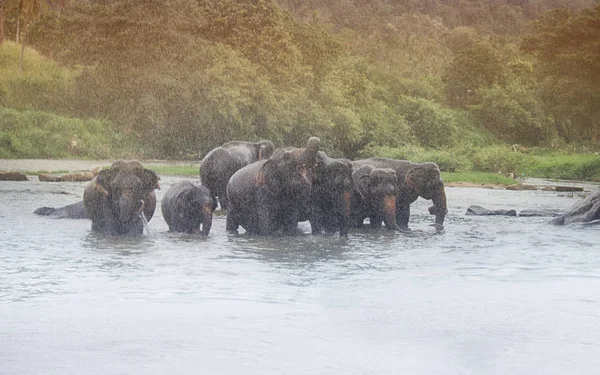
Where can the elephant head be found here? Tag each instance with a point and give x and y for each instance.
(194, 209)
(378, 188)
(117, 196)
(331, 195)
(265, 149)
(284, 175)
(425, 179)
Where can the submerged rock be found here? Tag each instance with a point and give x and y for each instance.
(547, 212)
(481, 211)
(521, 187)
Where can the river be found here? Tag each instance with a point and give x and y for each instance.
(489, 295)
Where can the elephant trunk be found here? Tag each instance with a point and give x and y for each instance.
(207, 218)
(439, 201)
(389, 209)
(347, 199)
(345, 212)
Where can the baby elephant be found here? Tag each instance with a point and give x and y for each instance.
(186, 206)
(374, 197)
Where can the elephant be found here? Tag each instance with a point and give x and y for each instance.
(117, 197)
(331, 195)
(219, 164)
(375, 191)
(583, 211)
(414, 180)
(71, 211)
(270, 197)
(186, 206)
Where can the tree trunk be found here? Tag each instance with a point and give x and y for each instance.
(1, 21)
(18, 29)
(21, 57)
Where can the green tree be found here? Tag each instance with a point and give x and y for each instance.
(514, 115)
(568, 66)
(476, 65)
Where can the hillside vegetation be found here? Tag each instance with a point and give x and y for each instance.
(457, 82)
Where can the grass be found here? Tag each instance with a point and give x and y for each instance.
(175, 170)
(565, 167)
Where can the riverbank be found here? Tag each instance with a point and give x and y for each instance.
(189, 168)
(37, 166)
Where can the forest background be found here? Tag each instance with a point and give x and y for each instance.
(503, 86)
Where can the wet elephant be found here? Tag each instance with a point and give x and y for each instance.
(414, 180)
(331, 195)
(70, 211)
(117, 197)
(187, 206)
(586, 210)
(221, 163)
(375, 191)
(270, 197)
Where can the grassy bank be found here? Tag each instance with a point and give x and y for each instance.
(40, 135)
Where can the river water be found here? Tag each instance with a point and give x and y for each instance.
(489, 295)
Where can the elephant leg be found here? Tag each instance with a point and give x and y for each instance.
(290, 223)
(375, 221)
(232, 223)
(222, 194)
(402, 215)
(316, 219)
(264, 221)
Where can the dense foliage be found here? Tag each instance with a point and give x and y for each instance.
(443, 77)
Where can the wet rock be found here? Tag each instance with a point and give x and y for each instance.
(563, 188)
(80, 177)
(549, 212)
(521, 187)
(44, 177)
(583, 211)
(71, 177)
(481, 211)
(13, 176)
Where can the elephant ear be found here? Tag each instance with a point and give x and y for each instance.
(266, 149)
(150, 180)
(425, 179)
(268, 175)
(103, 181)
(362, 179)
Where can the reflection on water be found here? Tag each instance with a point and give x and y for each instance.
(488, 295)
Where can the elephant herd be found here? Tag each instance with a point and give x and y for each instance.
(266, 191)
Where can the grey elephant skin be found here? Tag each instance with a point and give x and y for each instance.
(117, 197)
(414, 180)
(186, 207)
(219, 164)
(375, 191)
(71, 211)
(331, 195)
(270, 197)
(585, 210)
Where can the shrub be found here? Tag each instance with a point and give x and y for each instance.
(432, 124)
(499, 159)
(34, 134)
